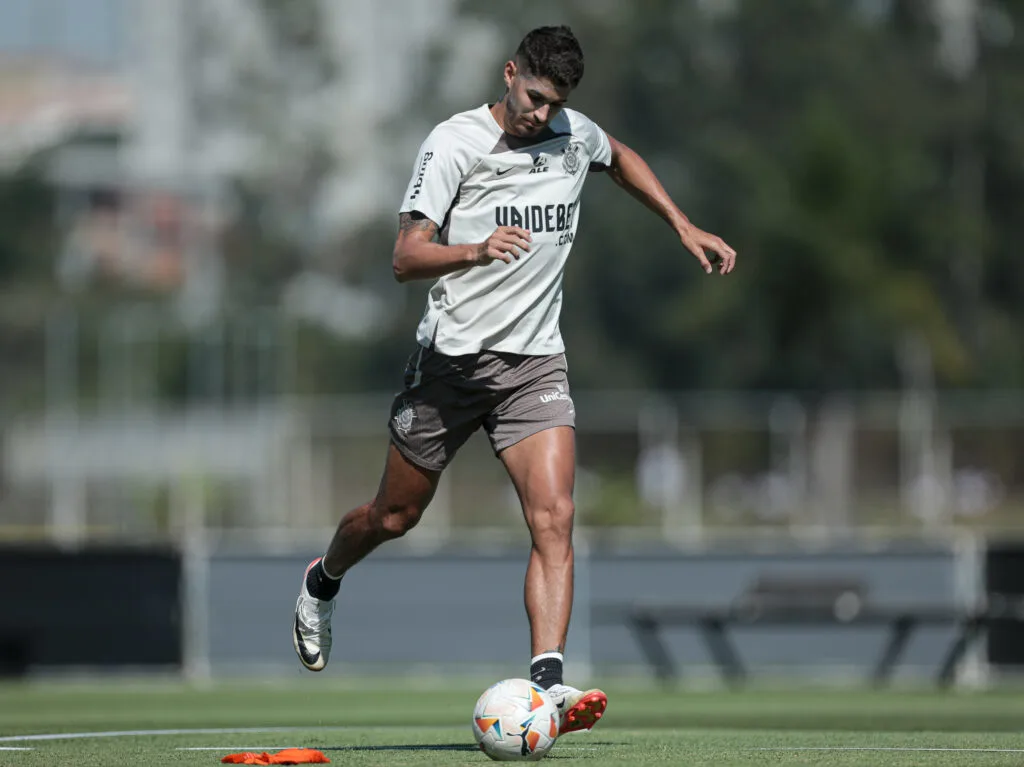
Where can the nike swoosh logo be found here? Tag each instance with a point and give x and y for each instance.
(503, 172)
(307, 658)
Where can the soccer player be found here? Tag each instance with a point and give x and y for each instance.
(490, 214)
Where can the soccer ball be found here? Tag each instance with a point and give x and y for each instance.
(515, 720)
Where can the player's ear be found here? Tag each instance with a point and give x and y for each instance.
(511, 70)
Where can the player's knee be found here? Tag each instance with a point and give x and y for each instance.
(396, 519)
(551, 524)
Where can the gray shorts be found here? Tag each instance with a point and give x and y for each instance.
(448, 398)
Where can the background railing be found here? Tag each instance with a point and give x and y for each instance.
(678, 466)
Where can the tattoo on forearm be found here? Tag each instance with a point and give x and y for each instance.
(412, 222)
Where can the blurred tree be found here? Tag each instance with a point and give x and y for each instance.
(264, 78)
(27, 240)
(27, 245)
(866, 158)
(1000, 138)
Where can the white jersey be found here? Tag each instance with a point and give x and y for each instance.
(471, 177)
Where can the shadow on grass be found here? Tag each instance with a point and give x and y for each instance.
(444, 747)
(404, 747)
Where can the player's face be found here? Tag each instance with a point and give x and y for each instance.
(531, 103)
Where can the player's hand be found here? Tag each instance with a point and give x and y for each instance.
(697, 241)
(506, 243)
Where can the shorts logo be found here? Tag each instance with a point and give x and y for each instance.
(554, 396)
(571, 158)
(404, 417)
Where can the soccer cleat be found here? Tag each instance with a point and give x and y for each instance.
(311, 634)
(577, 709)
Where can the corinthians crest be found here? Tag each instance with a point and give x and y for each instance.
(404, 417)
(571, 161)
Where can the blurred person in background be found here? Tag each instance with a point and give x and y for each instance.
(490, 214)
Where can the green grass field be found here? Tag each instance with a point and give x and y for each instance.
(164, 723)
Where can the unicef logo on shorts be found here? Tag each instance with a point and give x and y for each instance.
(404, 417)
(571, 161)
(556, 396)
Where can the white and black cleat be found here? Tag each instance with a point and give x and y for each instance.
(311, 633)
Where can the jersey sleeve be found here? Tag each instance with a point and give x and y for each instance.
(596, 141)
(436, 177)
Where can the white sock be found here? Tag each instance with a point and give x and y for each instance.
(546, 655)
(332, 577)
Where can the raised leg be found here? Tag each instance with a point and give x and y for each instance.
(404, 492)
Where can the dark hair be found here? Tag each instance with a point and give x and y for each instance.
(553, 53)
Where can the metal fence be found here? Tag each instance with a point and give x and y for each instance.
(109, 455)
(683, 467)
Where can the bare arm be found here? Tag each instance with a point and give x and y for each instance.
(418, 257)
(629, 171)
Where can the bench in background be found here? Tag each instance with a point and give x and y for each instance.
(801, 601)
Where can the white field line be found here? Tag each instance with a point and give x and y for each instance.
(386, 728)
(38, 737)
(137, 733)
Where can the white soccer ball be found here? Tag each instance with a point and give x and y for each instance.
(515, 720)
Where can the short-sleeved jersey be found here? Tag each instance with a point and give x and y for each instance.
(471, 177)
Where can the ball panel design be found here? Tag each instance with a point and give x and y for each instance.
(515, 720)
